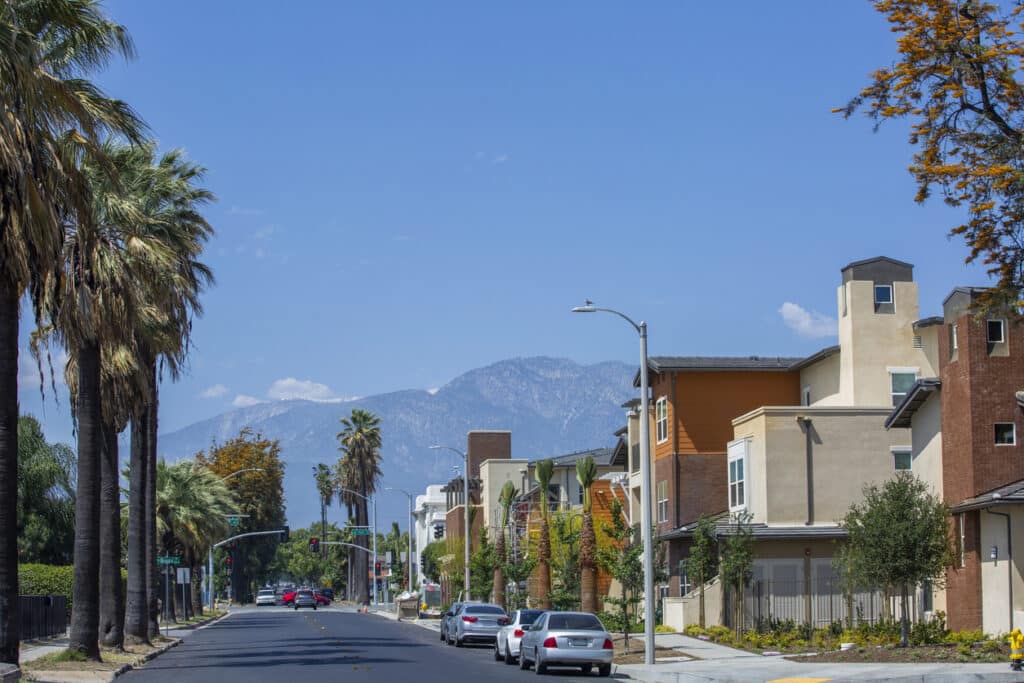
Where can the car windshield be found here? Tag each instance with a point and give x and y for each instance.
(484, 609)
(265, 593)
(528, 616)
(574, 622)
(305, 593)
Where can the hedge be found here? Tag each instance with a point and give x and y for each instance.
(48, 579)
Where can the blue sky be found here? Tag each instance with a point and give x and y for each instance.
(409, 190)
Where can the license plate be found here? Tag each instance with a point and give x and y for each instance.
(579, 642)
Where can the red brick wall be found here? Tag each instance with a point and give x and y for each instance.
(483, 446)
(963, 584)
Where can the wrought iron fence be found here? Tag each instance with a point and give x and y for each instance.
(43, 616)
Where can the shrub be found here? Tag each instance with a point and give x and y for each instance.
(45, 579)
(964, 650)
(929, 632)
(664, 628)
(991, 647)
(968, 637)
(693, 630)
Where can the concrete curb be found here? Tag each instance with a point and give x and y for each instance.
(9, 673)
(727, 677)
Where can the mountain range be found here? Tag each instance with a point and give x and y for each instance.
(552, 406)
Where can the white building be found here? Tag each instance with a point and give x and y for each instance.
(429, 515)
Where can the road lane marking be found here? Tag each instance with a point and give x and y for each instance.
(795, 679)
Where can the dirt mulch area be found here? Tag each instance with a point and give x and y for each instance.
(636, 651)
(989, 652)
(110, 660)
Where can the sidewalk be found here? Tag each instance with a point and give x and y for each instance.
(697, 648)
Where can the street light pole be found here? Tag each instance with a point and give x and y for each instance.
(408, 557)
(645, 478)
(465, 500)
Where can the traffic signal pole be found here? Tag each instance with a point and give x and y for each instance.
(209, 560)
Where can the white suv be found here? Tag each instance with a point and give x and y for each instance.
(267, 596)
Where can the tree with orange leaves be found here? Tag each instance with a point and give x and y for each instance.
(957, 82)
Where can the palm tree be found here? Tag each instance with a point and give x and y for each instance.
(586, 473)
(325, 487)
(360, 441)
(505, 498)
(543, 471)
(346, 481)
(51, 115)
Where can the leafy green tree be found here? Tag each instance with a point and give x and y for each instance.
(481, 566)
(736, 564)
(702, 562)
(899, 536)
(432, 562)
(46, 497)
(623, 560)
(565, 566)
(360, 441)
(542, 472)
(957, 79)
(586, 474)
(293, 559)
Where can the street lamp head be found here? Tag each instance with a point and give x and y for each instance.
(587, 307)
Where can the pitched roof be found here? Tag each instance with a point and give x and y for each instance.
(875, 259)
(901, 415)
(602, 457)
(815, 357)
(724, 526)
(662, 363)
(1004, 495)
(928, 322)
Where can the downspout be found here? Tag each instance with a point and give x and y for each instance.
(806, 426)
(1009, 557)
(675, 451)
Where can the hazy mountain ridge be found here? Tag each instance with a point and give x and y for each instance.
(552, 406)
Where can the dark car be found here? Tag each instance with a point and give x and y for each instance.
(327, 593)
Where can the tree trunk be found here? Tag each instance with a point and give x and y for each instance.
(544, 565)
(137, 612)
(588, 570)
(499, 570)
(85, 610)
(904, 621)
(9, 622)
(196, 587)
(111, 628)
(153, 583)
(702, 619)
(362, 567)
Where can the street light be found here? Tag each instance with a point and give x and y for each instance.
(247, 469)
(645, 478)
(372, 502)
(409, 556)
(465, 500)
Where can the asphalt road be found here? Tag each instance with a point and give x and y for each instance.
(279, 644)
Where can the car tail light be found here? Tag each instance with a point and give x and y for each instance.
(550, 642)
(518, 633)
(471, 620)
(502, 621)
(608, 644)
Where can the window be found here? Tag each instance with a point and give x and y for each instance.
(662, 501)
(995, 331)
(927, 599)
(580, 499)
(901, 382)
(883, 294)
(1006, 434)
(661, 419)
(953, 343)
(902, 459)
(805, 396)
(963, 538)
(737, 474)
(684, 580)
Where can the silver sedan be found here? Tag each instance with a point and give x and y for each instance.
(476, 622)
(575, 639)
(506, 646)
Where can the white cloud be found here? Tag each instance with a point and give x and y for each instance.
(433, 390)
(216, 391)
(242, 211)
(808, 323)
(243, 401)
(291, 388)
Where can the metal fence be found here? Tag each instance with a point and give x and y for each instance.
(43, 616)
(817, 601)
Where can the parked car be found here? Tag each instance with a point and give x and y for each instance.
(477, 622)
(288, 597)
(506, 645)
(446, 619)
(304, 598)
(321, 599)
(327, 593)
(266, 596)
(576, 639)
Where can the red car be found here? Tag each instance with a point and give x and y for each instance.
(321, 599)
(289, 597)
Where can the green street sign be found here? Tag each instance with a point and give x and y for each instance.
(168, 560)
(360, 532)
(233, 521)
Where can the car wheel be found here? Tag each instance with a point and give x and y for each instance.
(586, 669)
(314, 608)
(509, 659)
(604, 670)
(458, 641)
(296, 608)
(539, 668)
(497, 652)
(524, 663)
(443, 638)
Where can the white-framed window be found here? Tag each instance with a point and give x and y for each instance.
(661, 419)
(996, 331)
(900, 382)
(684, 580)
(883, 294)
(663, 501)
(902, 458)
(1006, 434)
(963, 540)
(805, 396)
(954, 344)
(738, 475)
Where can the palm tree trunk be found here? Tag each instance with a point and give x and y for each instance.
(151, 530)
(9, 623)
(588, 572)
(544, 565)
(362, 566)
(137, 613)
(499, 570)
(111, 627)
(85, 610)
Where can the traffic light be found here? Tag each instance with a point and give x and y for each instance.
(376, 570)
(423, 564)
(380, 585)
(287, 534)
(227, 561)
(438, 531)
(314, 545)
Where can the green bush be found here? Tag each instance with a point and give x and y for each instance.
(966, 637)
(664, 628)
(693, 630)
(929, 632)
(45, 579)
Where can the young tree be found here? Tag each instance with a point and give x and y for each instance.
(957, 80)
(586, 473)
(623, 560)
(702, 563)
(565, 564)
(899, 536)
(481, 567)
(736, 566)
